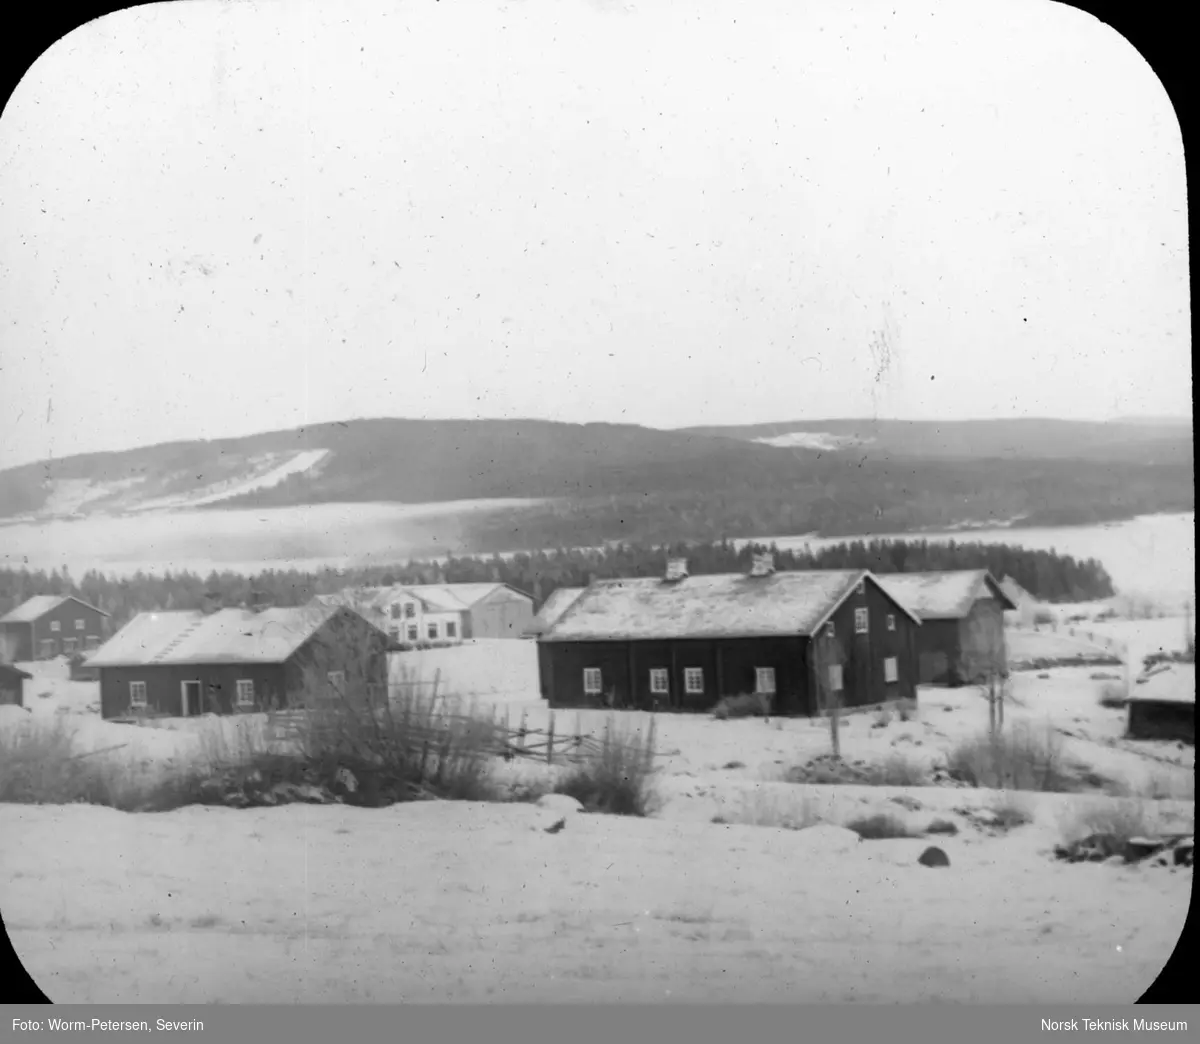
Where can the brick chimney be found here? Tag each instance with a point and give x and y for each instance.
(762, 565)
(677, 569)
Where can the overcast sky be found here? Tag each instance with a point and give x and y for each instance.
(226, 217)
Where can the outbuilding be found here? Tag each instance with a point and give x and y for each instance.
(182, 664)
(961, 640)
(683, 642)
(12, 685)
(1162, 704)
(46, 626)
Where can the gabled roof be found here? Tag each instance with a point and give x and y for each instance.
(945, 595)
(437, 598)
(39, 605)
(227, 636)
(1015, 592)
(728, 605)
(554, 607)
(1170, 683)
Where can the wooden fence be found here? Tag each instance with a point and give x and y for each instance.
(552, 745)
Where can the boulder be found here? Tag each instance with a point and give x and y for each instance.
(559, 803)
(933, 857)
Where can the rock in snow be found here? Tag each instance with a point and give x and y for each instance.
(933, 856)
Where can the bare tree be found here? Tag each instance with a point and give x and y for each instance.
(983, 661)
(827, 661)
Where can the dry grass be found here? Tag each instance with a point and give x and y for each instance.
(880, 826)
(784, 812)
(1115, 821)
(1011, 811)
(619, 780)
(1021, 757)
(896, 770)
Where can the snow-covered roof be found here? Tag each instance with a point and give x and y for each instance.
(727, 605)
(39, 605)
(227, 636)
(946, 595)
(1169, 683)
(554, 606)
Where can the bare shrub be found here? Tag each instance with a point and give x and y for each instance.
(770, 809)
(1021, 758)
(619, 779)
(1114, 821)
(879, 826)
(1010, 812)
(896, 770)
(744, 705)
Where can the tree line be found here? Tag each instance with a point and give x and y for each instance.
(1048, 575)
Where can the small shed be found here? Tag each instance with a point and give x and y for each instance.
(1163, 704)
(962, 623)
(12, 685)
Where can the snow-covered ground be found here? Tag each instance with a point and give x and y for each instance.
(469, 903)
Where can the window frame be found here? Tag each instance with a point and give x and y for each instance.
(138, 695)
(593, 681)
(244, 685)
(663, 675)
(862, 620)
(837, 681)
(451, 629)
(891, 665)
(432, 631)
(690, 673)
(413, 631)
(55, 627)
(79, 624)
(759, 672)
(891, 621)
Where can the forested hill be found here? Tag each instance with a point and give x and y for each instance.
(1045, 574)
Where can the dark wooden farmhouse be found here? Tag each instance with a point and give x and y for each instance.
(182, 664)
(12, 685)
(961, 639)
(683, 642)
(51, 625)
(1162, 705)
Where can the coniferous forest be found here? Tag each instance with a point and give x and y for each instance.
(1049, 576)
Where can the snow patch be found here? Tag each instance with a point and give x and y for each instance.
(814, 440)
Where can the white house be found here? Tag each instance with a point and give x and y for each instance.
(442, 612)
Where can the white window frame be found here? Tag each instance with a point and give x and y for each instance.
(693, 681)
(862, 621)
(414, 633)
(245, 685)
(593, 681)
(891, 621)
(395, 611)
(432, 631)
(55, 627)
(891, 670)
(764, 681)
(79, 624)
(836, 680)
(137, 695)
(451, 629)
(410, 611)
(660, 681)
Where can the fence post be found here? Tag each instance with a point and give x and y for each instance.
(578, 731)
(550, 742)
(521, 732)
(437, 677)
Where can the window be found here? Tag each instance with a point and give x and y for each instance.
(693, 680)
(591, 681)
(245, 693)
(394, 611)
(92, 641)
(55, 626)
(835, 677)
(79, 625)
(860, 621)
(891, 672)
(47, 647)
(337, 681)
(658, 681)
(137, 695)
(764, 680)
(451, 629)
(394, 634)
(830, 631)
(861, 588)
(68, 645)
(432, 630)
(412, 632)
(891, 621)
(410, 610)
